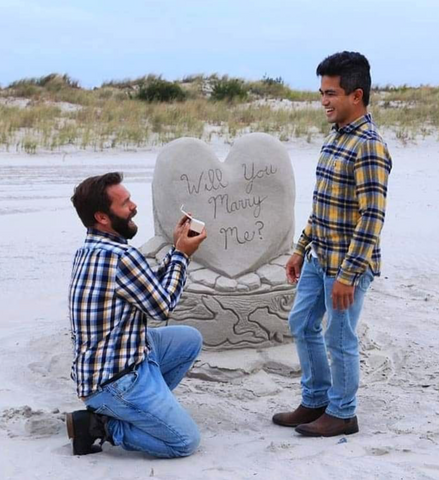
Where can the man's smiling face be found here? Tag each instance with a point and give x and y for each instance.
(340, 108)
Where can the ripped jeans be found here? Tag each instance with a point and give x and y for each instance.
(144, 413)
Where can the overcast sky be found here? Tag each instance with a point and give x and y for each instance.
(98, 40)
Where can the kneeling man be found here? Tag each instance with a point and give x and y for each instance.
(125, 372)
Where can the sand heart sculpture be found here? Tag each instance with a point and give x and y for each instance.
(246, 202)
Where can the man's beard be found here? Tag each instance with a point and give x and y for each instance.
(122, 225)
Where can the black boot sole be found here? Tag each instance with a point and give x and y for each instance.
(77, 447)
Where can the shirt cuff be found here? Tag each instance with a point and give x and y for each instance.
(300, 249)
(348, 278)
(180, 257)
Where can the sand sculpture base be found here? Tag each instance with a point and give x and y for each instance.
(249, 311)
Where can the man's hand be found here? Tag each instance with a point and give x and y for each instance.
(294, 267)
(342, 296)
(179, 228)
(188, 244)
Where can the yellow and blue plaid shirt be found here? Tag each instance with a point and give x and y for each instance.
(112, 292)
(349, 202)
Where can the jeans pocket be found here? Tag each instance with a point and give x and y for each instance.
(365, 280)
(125, 384)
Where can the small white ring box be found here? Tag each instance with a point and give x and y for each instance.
(196, 225)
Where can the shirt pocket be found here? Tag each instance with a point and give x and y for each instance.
(340, 177)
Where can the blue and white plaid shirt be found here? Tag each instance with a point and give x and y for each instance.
(112, 292)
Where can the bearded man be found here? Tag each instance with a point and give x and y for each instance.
(125, 372)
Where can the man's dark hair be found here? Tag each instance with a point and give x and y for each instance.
(353, 69)
(91, 196)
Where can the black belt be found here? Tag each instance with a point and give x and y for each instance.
(118, 375)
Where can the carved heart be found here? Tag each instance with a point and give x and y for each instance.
(247, 201)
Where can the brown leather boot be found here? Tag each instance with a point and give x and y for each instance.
(300, 416)
(328, 426)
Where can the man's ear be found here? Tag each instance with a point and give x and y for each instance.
(102, 219)
(358, 95)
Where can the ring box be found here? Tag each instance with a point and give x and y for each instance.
(195, 225)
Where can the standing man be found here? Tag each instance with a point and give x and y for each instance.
(338, 253)
(125, 373)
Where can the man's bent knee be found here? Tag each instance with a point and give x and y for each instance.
(196, 339)
(188, 445)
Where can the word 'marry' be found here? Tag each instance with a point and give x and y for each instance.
(231, 206)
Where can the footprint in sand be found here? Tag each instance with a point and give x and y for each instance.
(26, 422)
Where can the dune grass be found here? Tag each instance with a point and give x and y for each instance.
(53, 112)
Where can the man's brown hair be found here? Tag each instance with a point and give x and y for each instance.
(91, 196)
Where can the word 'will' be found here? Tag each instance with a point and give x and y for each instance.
(207, 181)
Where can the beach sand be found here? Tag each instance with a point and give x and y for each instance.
(231, 395)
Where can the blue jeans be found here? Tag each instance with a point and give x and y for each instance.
(333, 384)
(145, 415)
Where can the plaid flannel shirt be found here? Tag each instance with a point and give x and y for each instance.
(349, 202)
(112, 291)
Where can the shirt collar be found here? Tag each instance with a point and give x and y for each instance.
(94, 232)
(350, 127)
